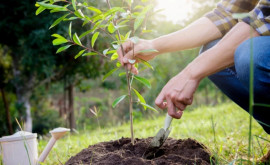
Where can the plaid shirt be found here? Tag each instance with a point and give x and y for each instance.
(259, 15)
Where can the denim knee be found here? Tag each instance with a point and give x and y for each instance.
(261, 61)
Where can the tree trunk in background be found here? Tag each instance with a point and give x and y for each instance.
(72, 123)
(9, 125)
(24, 101)
(24, 87)
(66, 111)
(60, 106)
(29, 121)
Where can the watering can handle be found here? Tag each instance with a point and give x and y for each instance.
(168, 121)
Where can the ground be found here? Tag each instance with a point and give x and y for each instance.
(222, 128)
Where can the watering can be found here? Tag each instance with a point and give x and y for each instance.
(21, 147)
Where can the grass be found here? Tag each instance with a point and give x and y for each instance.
(224, 129)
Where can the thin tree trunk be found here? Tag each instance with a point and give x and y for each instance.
(24, 101)
(60, 106)
(29, 121)
(9, 125)
(72, 123)
(66, 111)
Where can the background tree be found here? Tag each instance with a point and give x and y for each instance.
(34, 62)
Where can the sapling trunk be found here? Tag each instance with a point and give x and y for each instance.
(128, 82)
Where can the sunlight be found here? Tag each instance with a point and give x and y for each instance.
(175, 10)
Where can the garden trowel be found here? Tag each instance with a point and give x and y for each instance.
(159, 139)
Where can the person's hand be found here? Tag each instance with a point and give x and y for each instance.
(133, 52)
(178, 93)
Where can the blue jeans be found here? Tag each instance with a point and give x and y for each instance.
(234, 81)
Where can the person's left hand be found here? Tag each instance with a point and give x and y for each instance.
(178, 93)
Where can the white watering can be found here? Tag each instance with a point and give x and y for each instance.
(21, 147)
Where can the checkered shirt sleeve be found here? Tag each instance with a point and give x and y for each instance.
(259, 18)
(222, 17)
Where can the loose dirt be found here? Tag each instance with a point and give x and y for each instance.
(122, 152)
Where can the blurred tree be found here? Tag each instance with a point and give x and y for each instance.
(34, 62)
(5, 76)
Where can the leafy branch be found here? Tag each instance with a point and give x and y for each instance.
(109, 23)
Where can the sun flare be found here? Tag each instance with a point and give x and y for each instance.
(175, 10)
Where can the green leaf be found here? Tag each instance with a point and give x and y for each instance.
(138, 7)
(148, 107)
(140, 97)
(111, 52)
(59, 41)
(138, 22)
(113, 10)
(97, 18)
(85, 33)
(74, 4)
(76, 39)
(40, 9)
(122, 74)
(70, 18)
(114, 56)
(89, 54)
(58, 10)
(146, 31)
(79, 13)
(94, 38)
(56, 22)
(262, 105)
(118, 64)
(111, 28)
(118, 100)
(146, 63)
(58, 36)
(63, 48)
(139, 19)
(127, 35)
(115, 46)
(143, 80)
(94, 10)
(148, 51)
(109, 73)
(105, 51)
(50, 6)
(79, 54)
(97, 25)
(69, 29)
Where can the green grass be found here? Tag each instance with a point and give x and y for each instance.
(224, 129)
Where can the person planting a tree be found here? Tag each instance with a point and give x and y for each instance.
(225, 58)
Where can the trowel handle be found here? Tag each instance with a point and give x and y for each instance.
(168, 121)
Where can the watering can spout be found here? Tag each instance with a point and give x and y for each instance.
(56, 133)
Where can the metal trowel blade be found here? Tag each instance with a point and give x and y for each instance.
(156, 143)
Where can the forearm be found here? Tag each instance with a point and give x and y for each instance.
(221, 55)
(198, 33)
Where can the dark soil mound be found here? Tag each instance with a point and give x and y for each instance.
(122, 152)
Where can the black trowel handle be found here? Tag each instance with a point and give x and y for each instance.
(168, 121)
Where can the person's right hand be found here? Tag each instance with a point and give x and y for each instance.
(133, 52)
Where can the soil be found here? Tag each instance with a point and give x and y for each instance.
(122, 152)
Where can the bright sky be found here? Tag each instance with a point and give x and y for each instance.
(175, 10)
